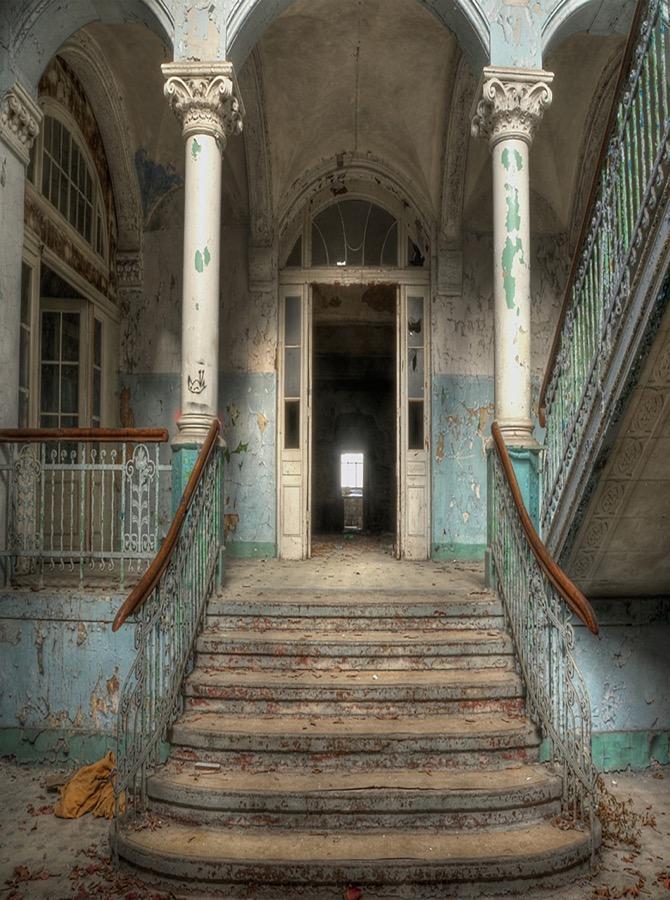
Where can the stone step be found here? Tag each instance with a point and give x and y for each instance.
(363, 610)
(372, 800)
(355, 743)
(382, 692)
(312, 649)
(404, 864)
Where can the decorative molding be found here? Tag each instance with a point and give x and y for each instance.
(20, 119)
(205, 97)
(456, 153)
(257, 151)
(512, 104)
(129, 270)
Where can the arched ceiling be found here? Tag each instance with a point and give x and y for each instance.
(370, 78)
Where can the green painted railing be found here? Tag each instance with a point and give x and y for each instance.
(622, 213)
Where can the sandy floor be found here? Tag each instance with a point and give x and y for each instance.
(47, 858)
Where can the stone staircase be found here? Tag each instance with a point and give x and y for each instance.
(364, 738)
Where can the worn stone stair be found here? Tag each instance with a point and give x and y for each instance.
(368, 738)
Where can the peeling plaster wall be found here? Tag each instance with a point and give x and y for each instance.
(462, 391)
(61, 671)
(627, 671)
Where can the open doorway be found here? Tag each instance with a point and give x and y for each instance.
(354, 421)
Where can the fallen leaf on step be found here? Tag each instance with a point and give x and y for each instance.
(353, 893)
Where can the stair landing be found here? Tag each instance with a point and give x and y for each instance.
(364, 724)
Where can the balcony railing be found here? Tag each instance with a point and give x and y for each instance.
(84, 505)
(599, 330)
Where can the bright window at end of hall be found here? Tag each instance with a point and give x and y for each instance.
(351, 480)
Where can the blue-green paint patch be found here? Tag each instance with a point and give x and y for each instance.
(617, 750)
(202, 260)
(510, 252)
(195, 148)
(251, 550)
(461, 552)
(513, 217)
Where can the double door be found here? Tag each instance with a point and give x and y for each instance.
(412, 435)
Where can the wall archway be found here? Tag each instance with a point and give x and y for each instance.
(570, 16)
(40, 27)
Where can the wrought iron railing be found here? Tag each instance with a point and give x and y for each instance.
(169, 604)
(538, 600)
(622, 213)
(82, 503)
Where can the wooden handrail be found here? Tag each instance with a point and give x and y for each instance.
(84, 435)
(572, 596)
(586, 221)
(143, 589)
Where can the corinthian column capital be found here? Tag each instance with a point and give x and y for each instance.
(205, 97)
(512, 103)
(20, 119)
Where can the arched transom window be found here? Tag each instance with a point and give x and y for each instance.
(350, 233)
(68, 183)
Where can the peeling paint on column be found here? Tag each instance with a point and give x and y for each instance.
(510, 252)
(202, 259)
(513, 220)
(195, 148)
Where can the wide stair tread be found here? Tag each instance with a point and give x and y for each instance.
(218, 855)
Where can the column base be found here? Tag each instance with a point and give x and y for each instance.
(184, 457)
(192, 430)
(517, 432)
(526, 462)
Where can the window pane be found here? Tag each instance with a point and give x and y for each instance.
(292, 329)
(97, 392)
(62, 201)
(69, 389)
(87, 223)
(97, 343)
(354, 215)
(415, 321)
(292, 425)
(390, 248)
(375, 236)
(49, 388)
(415, 373)
(46, 175)
(24, 358)
(26, 285)
(292, 372)
(23, 409)
(69, 422)
(50, 335)
(415, 425)
(329, 224)
(295, 256)
(48, 421)
(70, 347)
(48, 127)
(65, 152)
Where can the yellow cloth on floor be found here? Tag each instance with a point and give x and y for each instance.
(91, 789)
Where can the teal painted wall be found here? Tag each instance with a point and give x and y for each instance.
(462, 411)
(61, 671)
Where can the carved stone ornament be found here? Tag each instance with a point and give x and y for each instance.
(205, 97)
(129, 269)
(512, 103)
(20, 119)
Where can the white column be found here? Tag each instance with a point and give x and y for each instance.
(512, 104)
(206, 99)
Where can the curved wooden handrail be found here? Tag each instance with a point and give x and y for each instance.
(572, 596)
(84, 435)
(151, 577)
(586, 221)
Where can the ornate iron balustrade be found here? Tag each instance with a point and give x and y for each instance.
(83, 503)
(537, 598)
(170, 603)
(598, 327)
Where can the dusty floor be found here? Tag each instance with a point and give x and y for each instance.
(47, 858)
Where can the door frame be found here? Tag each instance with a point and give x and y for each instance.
(302, 280)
